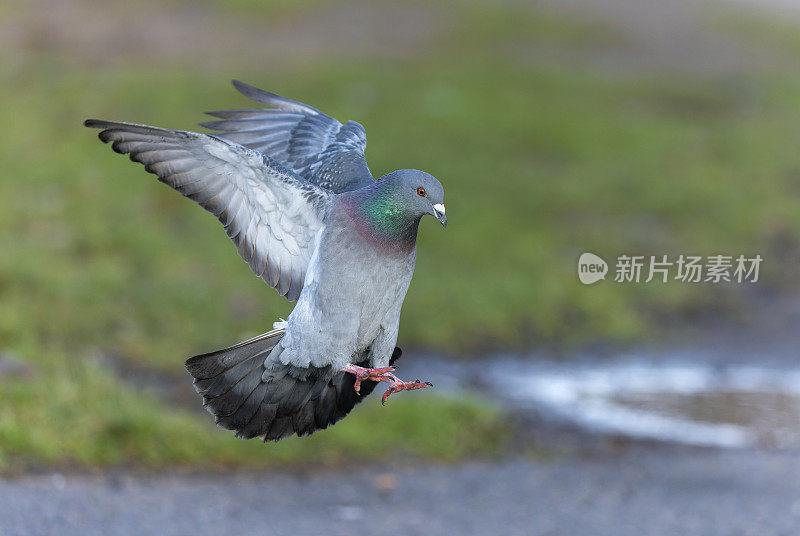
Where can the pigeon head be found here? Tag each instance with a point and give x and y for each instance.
(389, 210)
(417, 192)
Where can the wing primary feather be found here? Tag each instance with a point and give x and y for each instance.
(261, 204)
(312, 144)
(282, 103)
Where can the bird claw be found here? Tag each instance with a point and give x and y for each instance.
(374, 374)
(399, 385)
(383, 374)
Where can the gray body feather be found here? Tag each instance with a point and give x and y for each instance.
(350, 303)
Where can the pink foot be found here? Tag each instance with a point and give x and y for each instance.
(397, 385)
(383, 374)
(374, 374)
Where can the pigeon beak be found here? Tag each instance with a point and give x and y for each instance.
(438, 211)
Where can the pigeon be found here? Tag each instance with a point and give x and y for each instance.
(292, 188)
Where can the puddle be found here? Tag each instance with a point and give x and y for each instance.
(711, 405)
(703, 402)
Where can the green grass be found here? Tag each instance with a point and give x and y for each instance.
(541, 161)
(78, 415)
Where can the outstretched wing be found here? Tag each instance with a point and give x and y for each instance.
(314, 145)
(271, 215)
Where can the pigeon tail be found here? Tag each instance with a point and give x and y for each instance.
(286, 401)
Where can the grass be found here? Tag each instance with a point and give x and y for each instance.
(541, 161)
(79, 415)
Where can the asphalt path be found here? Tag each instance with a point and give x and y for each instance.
(659, 491)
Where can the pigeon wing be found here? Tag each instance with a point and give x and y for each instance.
(312, 144)
(271, 215)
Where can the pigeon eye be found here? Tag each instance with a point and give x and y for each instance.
(421, 191)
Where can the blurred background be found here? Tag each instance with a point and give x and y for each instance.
(613, 126)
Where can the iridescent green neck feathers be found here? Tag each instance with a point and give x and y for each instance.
(379, 215)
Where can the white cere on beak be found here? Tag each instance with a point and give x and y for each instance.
(438, 209)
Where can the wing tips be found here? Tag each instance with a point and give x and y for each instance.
(135, 128)
(96, 123)
(103, 123)
(265, 97)
(258, 95)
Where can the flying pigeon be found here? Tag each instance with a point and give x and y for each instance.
(291, 186)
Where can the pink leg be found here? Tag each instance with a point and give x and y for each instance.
(384, 374)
